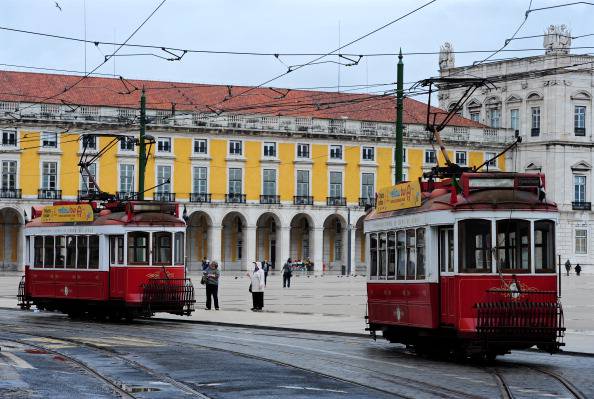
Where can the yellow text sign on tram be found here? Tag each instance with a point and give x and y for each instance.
(67, 213)
(400, 196)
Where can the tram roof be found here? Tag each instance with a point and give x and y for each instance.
(107, 218)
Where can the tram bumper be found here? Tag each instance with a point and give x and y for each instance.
(168, 295)
(518, 320)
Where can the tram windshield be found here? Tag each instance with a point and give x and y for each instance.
(513, 245)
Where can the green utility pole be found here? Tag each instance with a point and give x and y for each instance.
(399, 105)
(142, 147)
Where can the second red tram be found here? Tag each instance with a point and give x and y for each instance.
(124, 260)
(471, 269)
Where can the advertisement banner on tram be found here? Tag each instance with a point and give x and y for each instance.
(67, 213)
(400, 196)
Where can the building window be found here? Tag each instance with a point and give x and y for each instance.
(430, 157)
(270, 150)
(489, 156)
(163, 179)
(200, 180)
(127, 143)
(9, 175)
(461, 158)
(49, 139)
(269, 187)
(126, 178)
(514, 118)
(89, 142)
(579, 120)
(303, 183)
(9, 138)
(302, 150)
(535, 114)
(335, 184)
(49, 176)
(87, 178)
(235, 180)
(579, 185)
(234, 147)
(367, 189)
(581, 242)
(368, 154)
(200, 146)
(164, 144)
(335, 152)
(475, 116)
(495, 117)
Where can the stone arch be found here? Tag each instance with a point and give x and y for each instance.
(534, 96)
(268, 238)
(199, 239)
(360, 248)
(335, 243)
(492, 101)
(233, 241)
(301, 237)
(581, 95)
(11, 230)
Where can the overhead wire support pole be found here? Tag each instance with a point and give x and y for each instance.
(399, 106)
(142, 147)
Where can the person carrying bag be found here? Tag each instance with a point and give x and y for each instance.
(257, 287)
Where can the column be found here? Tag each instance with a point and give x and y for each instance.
(352, 255)
(214, 242)
(250, 246)
(318, 249)
(283, 239)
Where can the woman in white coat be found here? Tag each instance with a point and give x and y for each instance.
(257, 286)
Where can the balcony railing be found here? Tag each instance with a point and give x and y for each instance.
(87, 193)
(200, 197)
(363, 201)
(336, 201)
(270, 199)
(10, 193)
(47, 193)
(581, 206)
(165, 197)
(580, 131)
(235, 198)
(126, 195)
(535, 131)
(303, 200)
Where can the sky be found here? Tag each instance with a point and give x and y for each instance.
(281, 26)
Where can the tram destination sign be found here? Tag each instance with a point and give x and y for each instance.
(400, 196)
(67, 213)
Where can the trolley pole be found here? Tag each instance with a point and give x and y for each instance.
(142, 147)
(399, 105)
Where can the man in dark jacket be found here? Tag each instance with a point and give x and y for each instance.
(287, 273)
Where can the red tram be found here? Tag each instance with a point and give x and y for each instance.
(469, 268)
(124, 260)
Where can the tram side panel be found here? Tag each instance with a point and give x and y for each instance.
(126, 283)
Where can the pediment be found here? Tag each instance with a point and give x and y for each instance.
(581, 166)
(533, 167)
(581, 95)
(473, 104)
(513, 99)
(534, 97)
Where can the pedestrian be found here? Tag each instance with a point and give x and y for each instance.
(266, 268)
(257, 287)
(568, 266)
(204, 263)
(578, 269)
(212, 275)
(287, 272)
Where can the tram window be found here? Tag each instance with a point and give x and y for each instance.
(48, 252)
(411, 256)
(474, 245)
(162, 248)
(401, 254)
(116, 250)
(544, 246)
(38, 251)
(179, 248)
(138, 248)
(81, 252)
(513, 245)
(381, 252)
(27, 250)
(446, 249)
(70, 252)
(93, 252)
(420, 254)
(373, 256)
(60, 245)
(391, 255)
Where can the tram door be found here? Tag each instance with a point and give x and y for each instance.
(446, 275)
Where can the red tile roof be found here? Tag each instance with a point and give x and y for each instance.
(190, 97)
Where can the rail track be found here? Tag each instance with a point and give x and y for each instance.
(509, 391)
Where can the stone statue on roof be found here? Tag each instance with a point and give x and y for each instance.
(446, 56)
(557, 40)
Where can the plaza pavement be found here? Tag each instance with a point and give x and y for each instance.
(334, 304)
